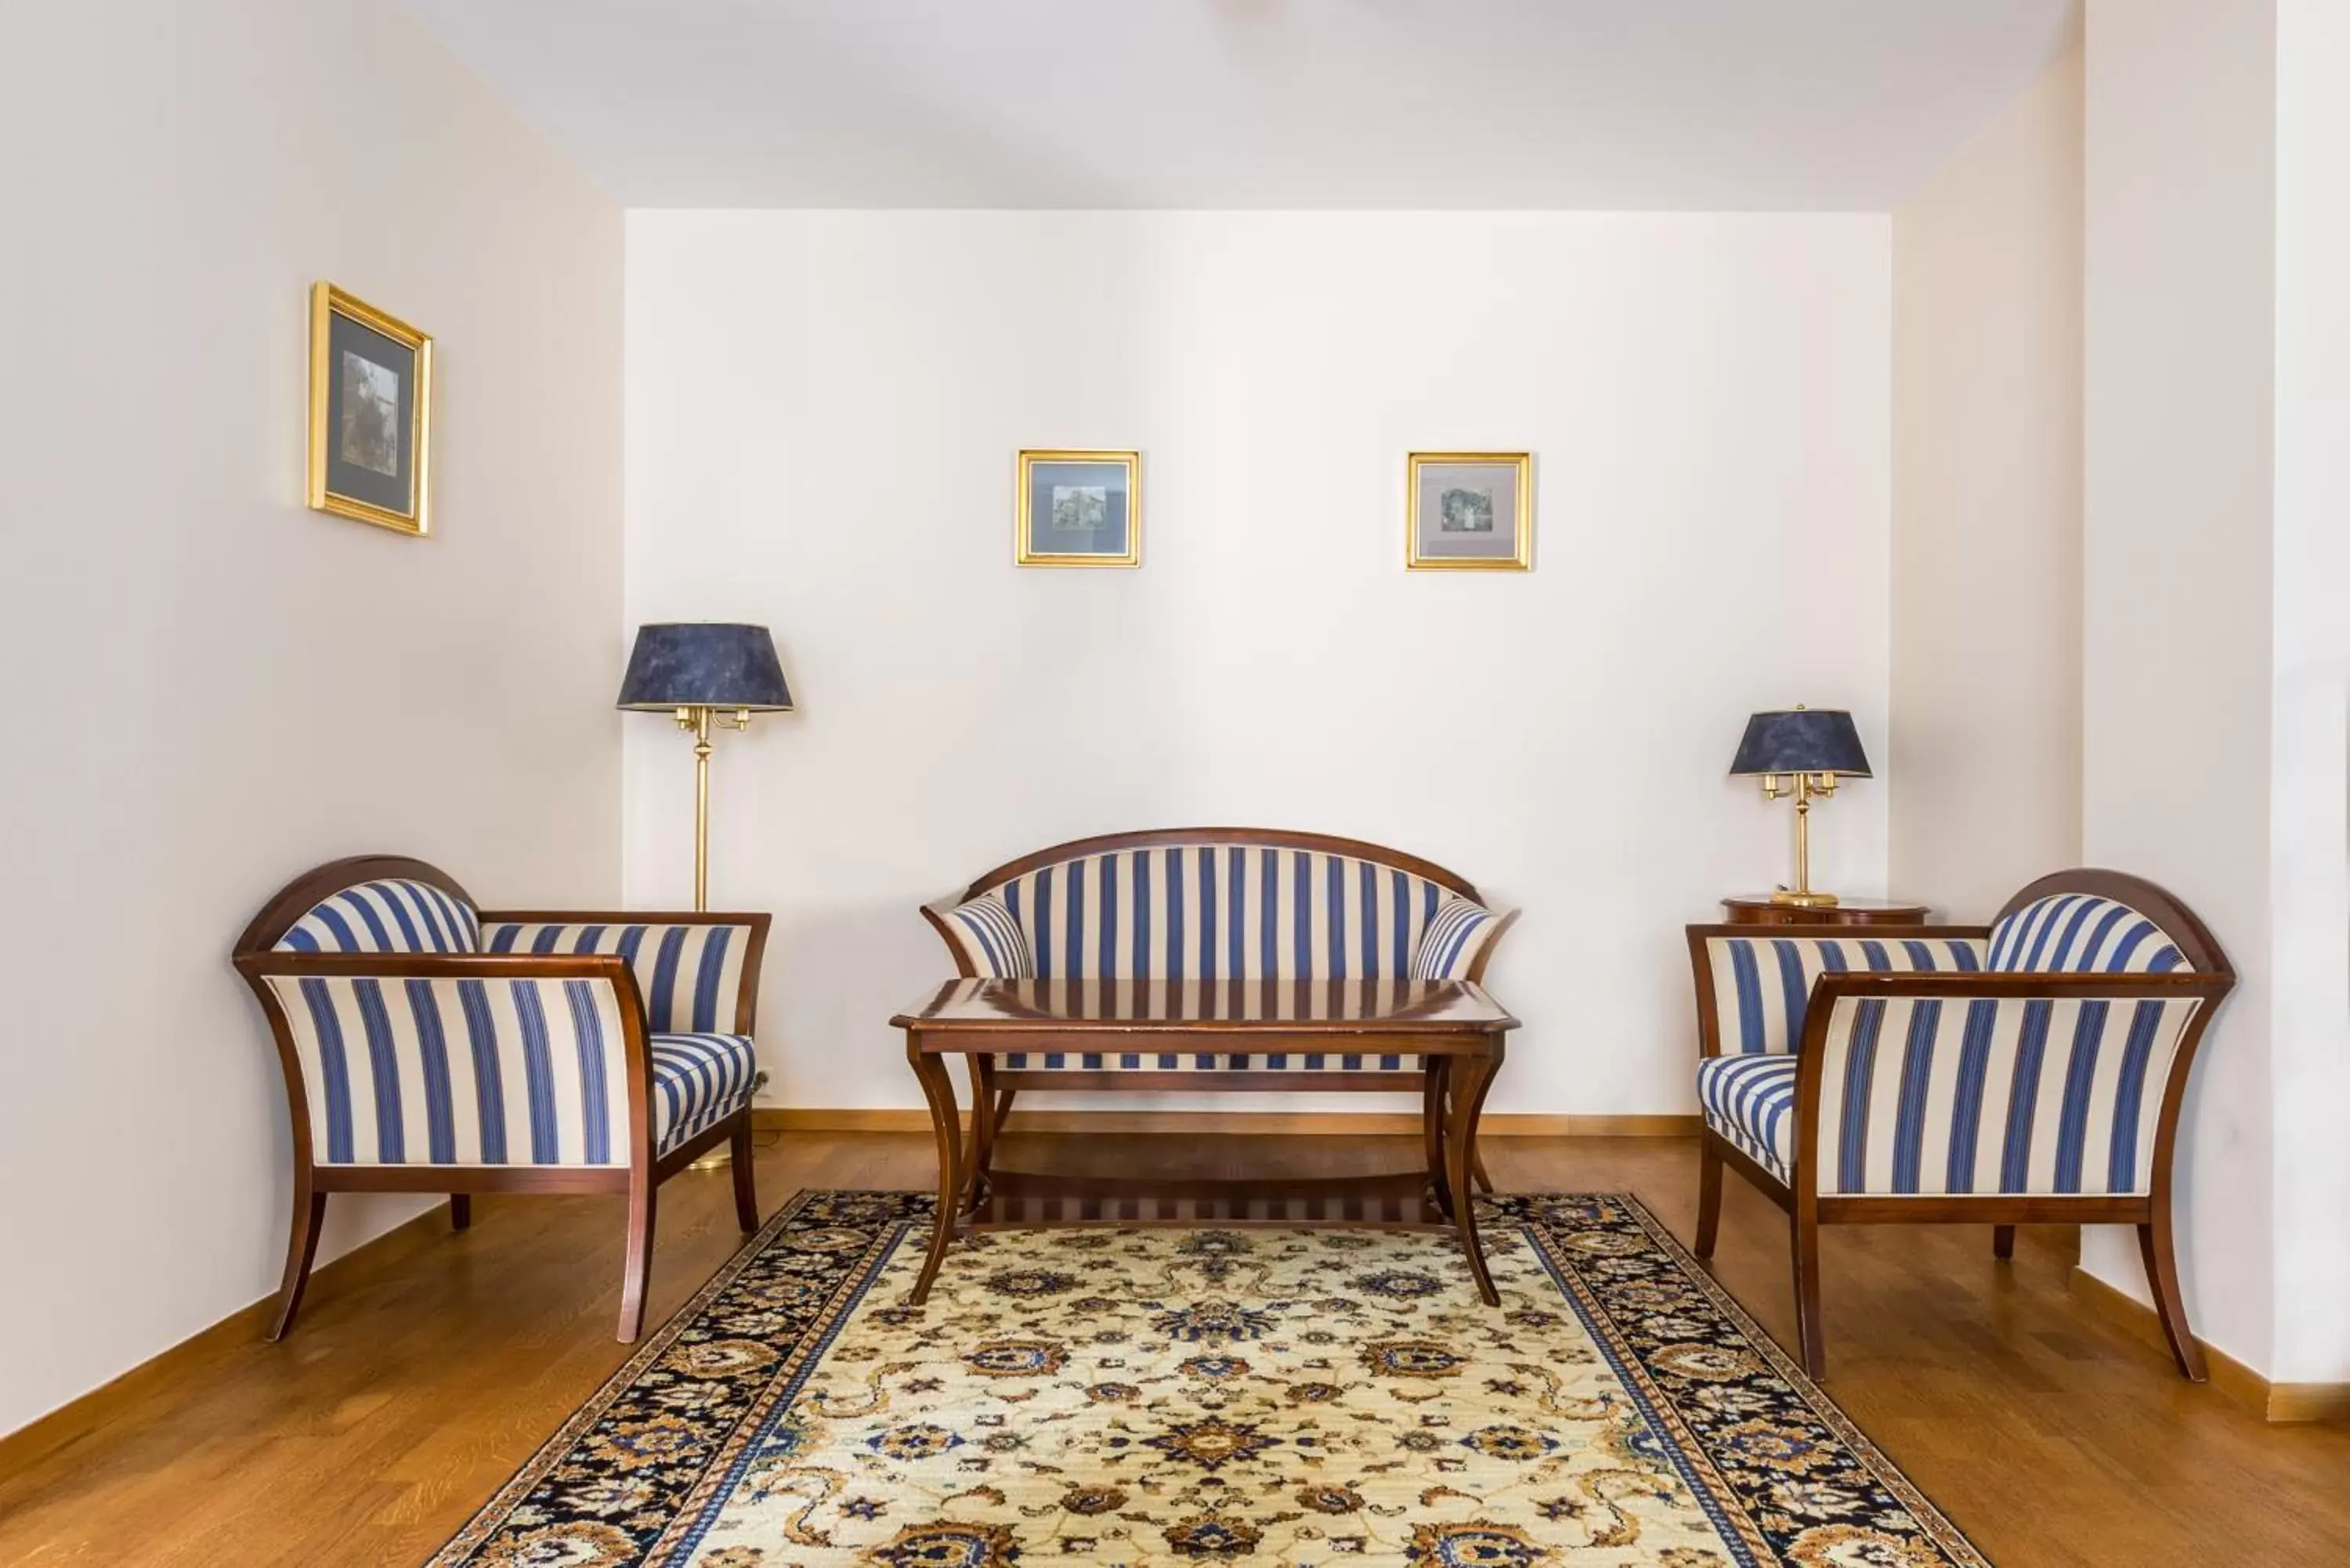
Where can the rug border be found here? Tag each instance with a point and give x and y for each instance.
(1937, 1524)
(1715, 1496)
(706, 1498)
(454, 1552)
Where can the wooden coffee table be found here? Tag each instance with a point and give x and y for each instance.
(1453, 1026)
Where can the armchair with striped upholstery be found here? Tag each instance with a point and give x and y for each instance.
(1216, 909)
(2030, 1071)
(431, 1047)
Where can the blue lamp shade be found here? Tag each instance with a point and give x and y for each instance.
(1799, 741)
(699, 664)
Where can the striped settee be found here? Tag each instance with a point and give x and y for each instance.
(1222, 925)
(1220, 911)
(431, 1047)
(2027, 1071)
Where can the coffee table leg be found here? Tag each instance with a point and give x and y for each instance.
(1468, 1078)
(983, 1125)
(938, 1090)
(1431, 1124)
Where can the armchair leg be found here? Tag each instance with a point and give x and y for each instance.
(2002, 1241)
(2154, 1246)
(301, 1247)
(1806, 1249)
(461, 1211)
(1709, 1196)
(747, 1188)
(637, 1258)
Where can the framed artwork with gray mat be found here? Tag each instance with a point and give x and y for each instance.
(1470, 511)
(370, 413)
(1078, 509)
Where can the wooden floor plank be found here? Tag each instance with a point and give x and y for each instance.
(424, 1371)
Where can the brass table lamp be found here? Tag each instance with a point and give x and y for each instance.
(1801, 752)
(694, 669)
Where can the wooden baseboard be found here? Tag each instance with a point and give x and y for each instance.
(2279, 1402)
(1358, 1124)
(71, 1422)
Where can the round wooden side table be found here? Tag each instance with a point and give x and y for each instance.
(1757, 909)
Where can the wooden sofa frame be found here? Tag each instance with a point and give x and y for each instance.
(996, 1088)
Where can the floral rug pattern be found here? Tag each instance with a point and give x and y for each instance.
(1180, 1396)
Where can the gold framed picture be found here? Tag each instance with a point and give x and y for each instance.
(1078, 509)
(370, 413)
(1470, 512)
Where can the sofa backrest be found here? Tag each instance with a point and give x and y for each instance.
(2082, 933)
(1762, 984)
(1222, 909)
(387, 915)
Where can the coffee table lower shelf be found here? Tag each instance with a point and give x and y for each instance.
(1401, 1200)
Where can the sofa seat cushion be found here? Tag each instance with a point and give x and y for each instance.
(1751, 1101)
(698, 1079)
(1206, 1062)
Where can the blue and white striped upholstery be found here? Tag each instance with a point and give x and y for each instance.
(1750, 1099)
(1928, 1095)
(1266, 1001)
(1456, 934)
(990, 940)
(1761, 985)
(491, 1072)
(459, 1071)
(698, 1080)
(389, 917)
(1205, 1062)
(689, 975)
(2075, 933)
(1221, 911)
(1961, 1093)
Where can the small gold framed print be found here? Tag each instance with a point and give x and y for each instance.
(370, 413)
(1078, 509)
(1470, 511)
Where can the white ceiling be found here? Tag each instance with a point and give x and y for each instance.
(1606, 104)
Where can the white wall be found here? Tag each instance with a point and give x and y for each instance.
(218, 689)
(1986, 619)
(2310, 794)
(822, 410)
(2177, 627)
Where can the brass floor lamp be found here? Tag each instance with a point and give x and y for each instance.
(702, 671)
(698, 671)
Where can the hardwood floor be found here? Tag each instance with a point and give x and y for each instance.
(424, 1371)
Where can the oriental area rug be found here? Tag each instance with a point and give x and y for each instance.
(1180, 1396)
